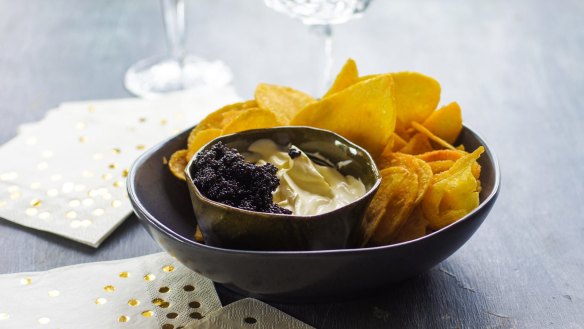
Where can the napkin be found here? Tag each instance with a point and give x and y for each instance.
(66, 173)
(248, 313)
(153, 291)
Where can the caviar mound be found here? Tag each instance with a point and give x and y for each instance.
(222, 175)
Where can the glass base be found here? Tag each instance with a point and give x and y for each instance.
(157, 76)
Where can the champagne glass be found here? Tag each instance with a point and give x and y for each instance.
(321, 15)
(177, 71)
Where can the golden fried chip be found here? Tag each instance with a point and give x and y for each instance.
(445, 122)
(417, 145)
(453, 193)
(397, 200)
(442, 160)
(285, 102)
(416, 96)
(363, 113)
(398, 142)
(201, 138)
(219, 118)
(348, 76)
(177, 164)
(440, 165)
(249, 119)
(420, 168)
(431, 136)
(415, 227)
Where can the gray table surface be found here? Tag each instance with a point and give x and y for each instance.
(516, 68)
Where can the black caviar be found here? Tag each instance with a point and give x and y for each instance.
(293, 153)
(222, 174)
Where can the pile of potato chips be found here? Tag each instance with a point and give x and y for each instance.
(427, 183)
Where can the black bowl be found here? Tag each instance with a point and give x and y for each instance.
(163, 205)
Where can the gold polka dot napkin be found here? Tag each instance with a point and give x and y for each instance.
(248, 313)
(153, 291)
(149, 292)
(66, 173)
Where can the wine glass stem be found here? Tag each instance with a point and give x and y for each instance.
(326, 33)
(173, 13)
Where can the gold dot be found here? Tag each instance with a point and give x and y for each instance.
(133, 302)
(163, 122)
(164, 290)
(98, 212)
(164, 161)
(124, 275)
(125, 173)
(157, 301)
(112, 166)
(85, 223)
(9, 176)
(71, 214)
(74, 203)
(4, 316)
(116, 203)
(100, 301)
(82, 139)
(147, 314)
(149, 277)
(106, 176)
(188, 287)
(116, 150)
(140, 147)
(168, 268)
(80, 125)
(45, 215)
(91, 109)
(31, 211)
(26, 281)
(54, 293)
(31, 141)
(123, 318)
(142, 119)
(167, 326)
(164, 304)
(196, 315)
(53, 192)
(87, 173)
(118, 184)
(2, 203)
(35, 186)
(35, 203)
(194, 304)
(106, 196)
(97, 156)
(87, 202)
(44, 320)
(109, 288)
(172, 315)
(42, 165)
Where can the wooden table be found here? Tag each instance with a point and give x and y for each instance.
(516, 68)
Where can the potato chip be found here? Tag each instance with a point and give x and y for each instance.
(446, 122)
(398, 142)
(220, 118)
(348, 76)
(285, 102)
(411, 163)
(440, 165)
(177, 164)
(249, 119)
(453, 193)
(201, 138)
(431, 136)
(416, 96)
(442, 160)
(396, 198)
(417, 145)
(416, 226)
(363, 113)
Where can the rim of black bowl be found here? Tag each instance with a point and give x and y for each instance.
(160, 226)
(373, 187)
